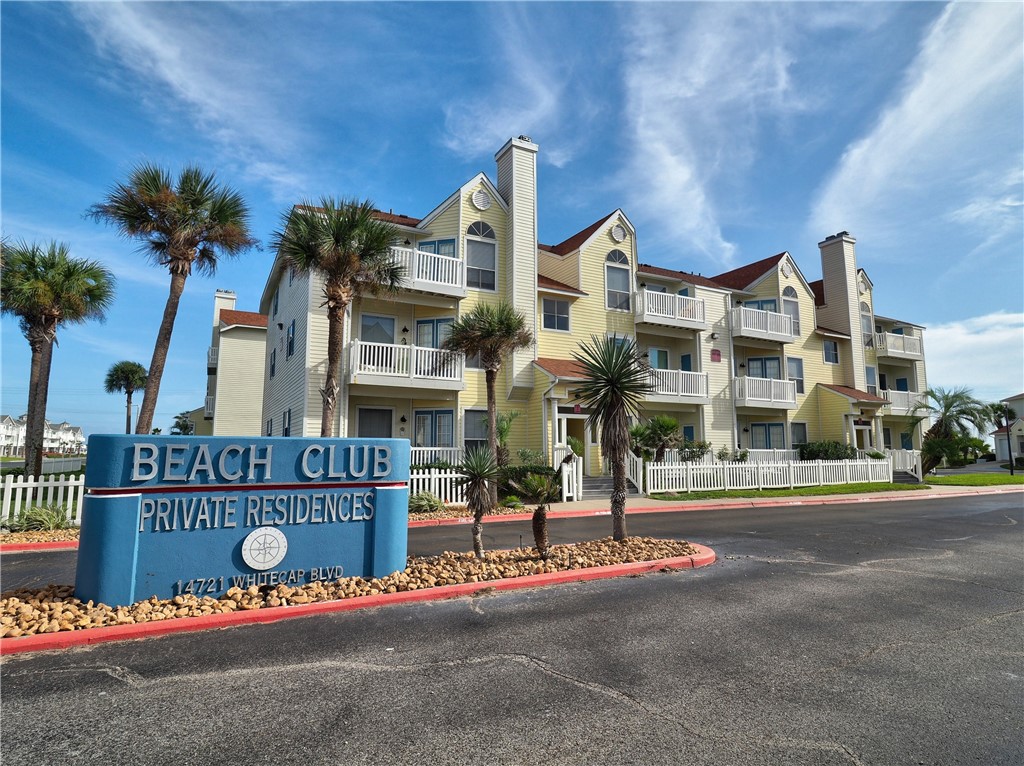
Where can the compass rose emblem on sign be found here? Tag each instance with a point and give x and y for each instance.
(264, 548)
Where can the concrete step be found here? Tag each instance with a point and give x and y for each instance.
(904, 477)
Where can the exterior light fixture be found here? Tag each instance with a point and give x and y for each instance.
(403, 419)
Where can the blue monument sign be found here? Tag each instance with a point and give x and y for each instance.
(170, 515)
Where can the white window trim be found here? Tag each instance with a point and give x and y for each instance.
(462, 423)
(629, 285)
(807, 432)
(824, 355)
(668, 357)
(497, 260)
(361, 407)
(568, 304)
(398, 330)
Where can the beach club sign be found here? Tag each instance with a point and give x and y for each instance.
(172, 515)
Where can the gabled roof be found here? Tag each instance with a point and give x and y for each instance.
(855, 394)
(818, 288)
(231, 318)
(1011, 398)
(564, 369)
(576, 240)
(547, 283)
(681, 276)
(401, 220)
(744, 276)
(456, 195)
(1005, 429)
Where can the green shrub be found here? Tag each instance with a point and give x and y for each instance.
(424, 502)
(876, 455)
(1018, 461)
(511, 502)
(989, 457)
(515, 473)
(827, 450)
(41, 518)
(13, 472)
(575, 444)
(723, 454)
(693, 451)
(530, 456)
(442, 465)
(741, 456)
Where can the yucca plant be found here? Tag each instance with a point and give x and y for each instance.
(542, 490)
(479, 473)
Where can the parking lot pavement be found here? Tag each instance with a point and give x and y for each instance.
(863, 634)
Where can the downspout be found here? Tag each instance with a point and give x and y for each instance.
(732, 371)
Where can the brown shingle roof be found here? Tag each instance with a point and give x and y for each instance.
(246, 318)
(818, 288)
(554, 284)
(563, 248)
(380, 215)
(853, 393)
(682, 276)
(561, 368)
(738, 279)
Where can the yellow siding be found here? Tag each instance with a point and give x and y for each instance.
(563, 268)
(239, 398)
(832, 407)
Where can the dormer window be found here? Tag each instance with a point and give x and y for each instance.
(616, 274)
(481, 256)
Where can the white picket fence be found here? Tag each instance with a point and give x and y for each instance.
(691, 477)
(21, 493)
(442, 483)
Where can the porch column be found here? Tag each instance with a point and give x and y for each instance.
(879, 437)
(554, 425)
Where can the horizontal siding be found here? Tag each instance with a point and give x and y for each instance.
(564, 269)
(288, 387)
(239, 399)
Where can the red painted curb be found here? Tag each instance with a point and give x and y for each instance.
(67, 639)
(60, 545)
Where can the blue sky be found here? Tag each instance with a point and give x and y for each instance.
(727, 132)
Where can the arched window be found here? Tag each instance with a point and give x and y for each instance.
(867, 324)
(791, 307)
(481, 256)
(617, 282)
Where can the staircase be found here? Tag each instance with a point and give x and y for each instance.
(904, 477)
(596, 487)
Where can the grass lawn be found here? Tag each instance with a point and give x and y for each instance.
(835, 489)
(977, 479)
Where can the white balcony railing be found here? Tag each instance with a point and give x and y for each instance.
(409, 362)
(208, 407)
(429, 271)
(765, 392)
(427, 455)
(679, 383)
(765, 325)
(666, 308)
(903, 401)
(902, 346)
(211, 357)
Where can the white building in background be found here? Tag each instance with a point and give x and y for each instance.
(1012, 433)
(57, 437)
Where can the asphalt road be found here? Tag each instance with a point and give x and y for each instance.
(876, 633)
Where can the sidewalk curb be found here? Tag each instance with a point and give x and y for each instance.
(672, 506)
(72, 638)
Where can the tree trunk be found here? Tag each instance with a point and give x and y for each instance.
(540, 530)
(41, 344)
(128, 413)
(163, 344)
(618, 497)
(929, 462)
(491, 376)
(335, 347)
(478, 536)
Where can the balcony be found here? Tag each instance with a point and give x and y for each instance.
(765, 392)
(211, 359)
(431, 273)
(903, 402)
(670, 310)
(391, 364)
(208, 408)
(425, 455)
(762, 325)
(678, 387)
(893, 346)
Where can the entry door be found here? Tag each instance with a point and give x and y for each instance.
(863, 438)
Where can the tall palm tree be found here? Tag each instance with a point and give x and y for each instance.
(951, 412)
(617, 379)
(1003, 415)
(183, 425)
(47, 289)
(541, 489)
(182, 224)
(479, 472)
(350, 248)
(127, 378)
(493, 332)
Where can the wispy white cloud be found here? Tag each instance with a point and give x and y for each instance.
(984, 353)
(181, 64)
(929, 157)
(699, 81)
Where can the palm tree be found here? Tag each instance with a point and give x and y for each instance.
(125, 377)
(1003, 415)
(617, 379)
(479, 472)
(181, 224)
(951, 412)
(350, 248)
(46, 289)
(662, 434)
(541, 489)
(504, 425)
(493, 332)
(183, 425)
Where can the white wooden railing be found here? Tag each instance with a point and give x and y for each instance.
(20, 493)
(669, 306)
(901, 459)
(424, 455)
(208, 407)
(571, 473)
(427, 269)
(901, 345)
(679, 383)
(395, 360)
(904, 400)
(763, 324)
(772, 455)
(767, 390)
(211, 356)
(691, 477)
(441, 483)
(635, 470)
